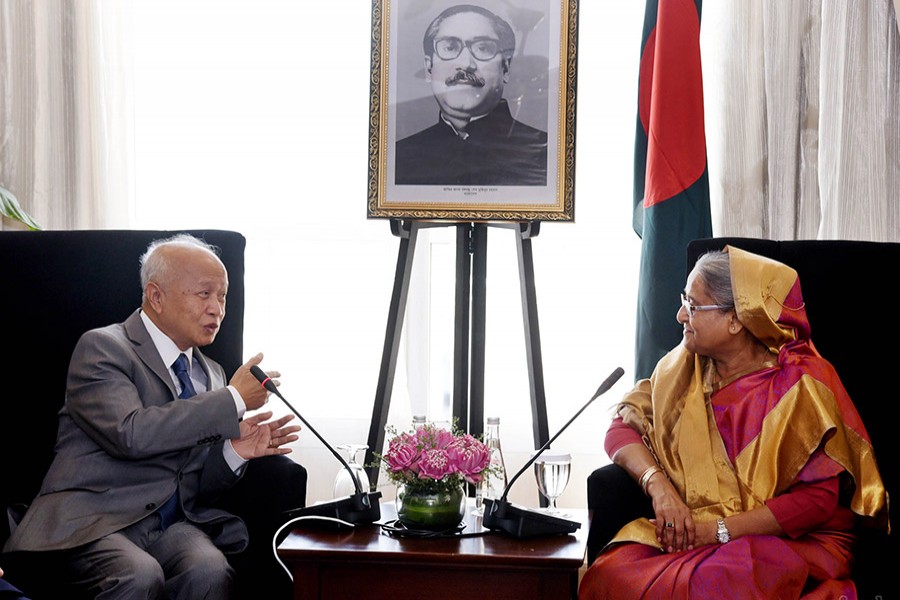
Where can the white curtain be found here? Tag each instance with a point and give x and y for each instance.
(65, 110)
(803, 118)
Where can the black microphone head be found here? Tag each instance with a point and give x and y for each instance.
(263, 379)
(615, 376)
(610, 381)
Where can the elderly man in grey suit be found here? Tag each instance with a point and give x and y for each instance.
(149, 434)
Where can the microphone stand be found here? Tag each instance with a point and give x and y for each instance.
(361, 507)
(520, 522)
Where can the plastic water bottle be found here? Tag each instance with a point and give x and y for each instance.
(495, 483)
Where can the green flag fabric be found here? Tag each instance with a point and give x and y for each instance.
(671, 184)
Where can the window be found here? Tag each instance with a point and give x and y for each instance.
(240, 124)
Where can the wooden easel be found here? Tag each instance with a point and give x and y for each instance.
(469, 329)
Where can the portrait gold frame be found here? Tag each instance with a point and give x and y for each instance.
(553, 202)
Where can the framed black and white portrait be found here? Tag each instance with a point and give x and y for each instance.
(472, 110)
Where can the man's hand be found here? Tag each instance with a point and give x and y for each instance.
(259, 438)
(254, 394)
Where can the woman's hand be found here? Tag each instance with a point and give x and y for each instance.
(705, 534)
(675, 527)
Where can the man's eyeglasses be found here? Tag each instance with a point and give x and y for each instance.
(692, 308)
(483, 49)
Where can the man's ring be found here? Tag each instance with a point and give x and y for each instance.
(670, 525)
(271, 443)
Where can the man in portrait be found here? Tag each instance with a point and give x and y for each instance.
(476, 140)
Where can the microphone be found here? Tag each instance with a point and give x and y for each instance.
(500, 514)
(361, 507)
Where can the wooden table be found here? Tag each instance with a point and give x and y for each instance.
(364, 562)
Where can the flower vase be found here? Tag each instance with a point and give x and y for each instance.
(431, 510)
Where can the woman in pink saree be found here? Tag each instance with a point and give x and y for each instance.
(755, 459)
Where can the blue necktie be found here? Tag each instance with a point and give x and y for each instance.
(183, 372)
(170, 512)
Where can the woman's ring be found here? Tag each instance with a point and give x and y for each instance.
(670, 525)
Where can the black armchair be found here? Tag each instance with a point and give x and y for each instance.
(57, 285)
(843, 282)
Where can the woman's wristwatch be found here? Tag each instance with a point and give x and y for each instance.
(722, 534)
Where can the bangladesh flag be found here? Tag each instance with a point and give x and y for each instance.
(671, 184)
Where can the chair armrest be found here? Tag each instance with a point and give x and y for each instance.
(615, 499)
(270, 486)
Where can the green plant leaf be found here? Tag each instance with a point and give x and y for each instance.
(9, 207)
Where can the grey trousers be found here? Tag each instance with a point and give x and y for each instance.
(147, 563)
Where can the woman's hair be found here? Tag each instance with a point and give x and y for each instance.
(714, 269)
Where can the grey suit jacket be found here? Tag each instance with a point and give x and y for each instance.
(125, 442)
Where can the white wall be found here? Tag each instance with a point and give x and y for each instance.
(253, 116)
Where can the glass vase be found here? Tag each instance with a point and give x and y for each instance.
(431, 510)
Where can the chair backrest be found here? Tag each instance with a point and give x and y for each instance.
(848, 288)
(54, 286)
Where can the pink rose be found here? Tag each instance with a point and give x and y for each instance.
(469, 458)
(403, 439)
(430, 436)
(402, 455)
(443, 438)
(434, 464)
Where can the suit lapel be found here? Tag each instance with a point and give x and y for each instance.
(211, 377)
(146, 350)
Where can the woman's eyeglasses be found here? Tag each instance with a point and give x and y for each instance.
(692, 308)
